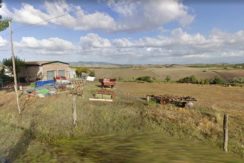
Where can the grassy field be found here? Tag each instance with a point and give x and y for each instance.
(128, 130)
(176, 72)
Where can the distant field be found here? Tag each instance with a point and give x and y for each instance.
(225, 99)
(175, 73)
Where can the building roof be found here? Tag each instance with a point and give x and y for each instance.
(40, 63)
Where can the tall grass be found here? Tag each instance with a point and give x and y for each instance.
(52, 119)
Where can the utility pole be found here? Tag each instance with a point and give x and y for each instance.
(14, 68)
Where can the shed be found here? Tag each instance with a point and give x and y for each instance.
(45, 70)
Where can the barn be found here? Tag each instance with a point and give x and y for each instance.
(44, 70)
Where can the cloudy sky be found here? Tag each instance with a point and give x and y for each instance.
(126, 31)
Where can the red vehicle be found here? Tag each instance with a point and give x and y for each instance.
(107, 82)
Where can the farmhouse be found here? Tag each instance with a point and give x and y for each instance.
(45, 70)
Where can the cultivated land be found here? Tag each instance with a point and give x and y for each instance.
(176, 72)
(129, 129)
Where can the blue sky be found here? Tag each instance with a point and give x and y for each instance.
(126, 31)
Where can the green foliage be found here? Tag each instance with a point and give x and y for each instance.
(3, 25)
(19, 63)
(92, 73)
(5, 79)
(217, 80)
(80, 70)
(167, 78)
(238, 80)
(189, 79)
(145, 79)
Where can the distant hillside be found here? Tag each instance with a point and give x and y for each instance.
(95, 64)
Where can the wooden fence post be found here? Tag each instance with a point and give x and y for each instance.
(14, 67)
(225, 130)
(74, 110)
(148, 98)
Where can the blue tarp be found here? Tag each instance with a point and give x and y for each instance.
(45, 82)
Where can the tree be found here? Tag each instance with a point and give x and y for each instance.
(92, 73)
(18, 64)
(145, 79)
(80, 70)
(3, 25)
(167, 78)
(217, 80)
(189, 79)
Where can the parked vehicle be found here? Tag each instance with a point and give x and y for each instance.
(107, 82)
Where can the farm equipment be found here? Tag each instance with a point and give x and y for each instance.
(107, 82)
(182, 101)
(103, 95)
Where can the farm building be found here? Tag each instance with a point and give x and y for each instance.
(45, 70)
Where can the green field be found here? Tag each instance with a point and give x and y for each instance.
(128, 130)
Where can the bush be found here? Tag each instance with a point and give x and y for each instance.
(5, 79)
(145, 79)
(189, 79)
(84, 70)
(92, 73)
(238, 80)
(167, 78)
(217, 80)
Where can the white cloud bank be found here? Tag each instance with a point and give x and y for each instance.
(132, 15)
(178, 47)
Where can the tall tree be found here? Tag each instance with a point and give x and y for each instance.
(19, 63)
(4, 24)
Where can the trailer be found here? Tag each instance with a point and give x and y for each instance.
(107, 82)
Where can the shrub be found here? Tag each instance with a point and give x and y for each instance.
(238, 80)
(84, 70)
(217, 80)
(167, 78)
(92, 73)
(145, 79)
(189, 79)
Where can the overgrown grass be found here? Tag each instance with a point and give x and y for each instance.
(49, 120)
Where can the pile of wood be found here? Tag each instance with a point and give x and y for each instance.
(106, 92)
(103, 95)
(180, 101)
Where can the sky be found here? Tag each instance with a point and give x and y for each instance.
(126, 31)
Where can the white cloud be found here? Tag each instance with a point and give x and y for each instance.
(3, 42)
(5, 11)
(60, 13)
(143, 15)
(132, 15)
(30, 15)
(50, 46)
(175, 47)
(179, 46)
(92, 40)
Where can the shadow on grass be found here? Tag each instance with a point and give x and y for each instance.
(22, 145)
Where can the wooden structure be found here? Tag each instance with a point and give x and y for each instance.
(77, 90)
(103, 95)
(44, 70)
(78, 86)
(225, 131)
